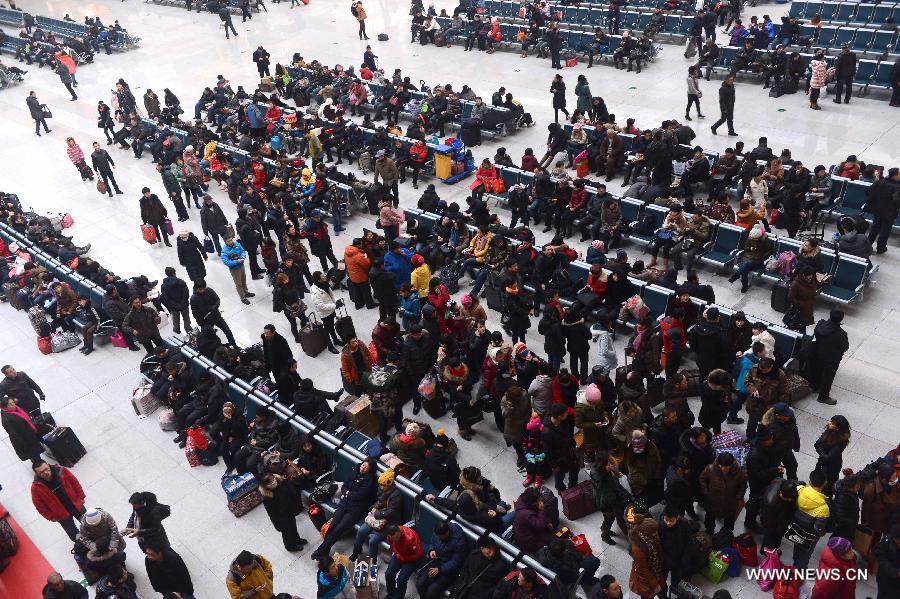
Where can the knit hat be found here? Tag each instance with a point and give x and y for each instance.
(757, 232)
(520, 350)
(466, 300)
(839, 545)
(92, 516)
(638, 441)
(387, 478)
(417, 260)
(440, 437)
(782, 409)
(598, 245)
(412, 429)
(184, 233)
(592, 394)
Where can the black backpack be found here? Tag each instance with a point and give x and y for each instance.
(645, 225)
(353, 10)
(383, 37)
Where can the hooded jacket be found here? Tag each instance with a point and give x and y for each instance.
(357, 263)
(45, 500)
(722, 492)
(841, 586)
(408, 548)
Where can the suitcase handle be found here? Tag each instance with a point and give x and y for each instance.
(312, 317)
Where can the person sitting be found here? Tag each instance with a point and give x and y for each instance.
(756, 250)
(481, 572)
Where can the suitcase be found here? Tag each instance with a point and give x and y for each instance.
(238, 485)
(727, 439)
(9, 542)
(798, 388)
(64, 446)
(10, 291)
(343, 325)
(149, 234)
(494, 296)
(38, 319)
(144, 401)
(578, 501)
(244, 504)
(313, 338)
(44, 423)
(693, 380)
(450, 277)
(779, 300)
(470, 133)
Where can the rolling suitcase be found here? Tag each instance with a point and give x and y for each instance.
(470, 132)
(578, 501)
(38, 319)
(11, 290)
(494, 296)
(149, 234)
(64, 446)
(313, 338)
(343, 325)
(779, 299)
(44, 422)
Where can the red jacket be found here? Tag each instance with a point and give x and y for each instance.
(418, 153)
(560, 396)
(831, 586)
(408, 548)
(259, 175)
(273, 114)
(46, 502)
(578, 200)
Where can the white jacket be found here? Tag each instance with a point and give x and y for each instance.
(322, 301)
(606, 353)
(767, 340)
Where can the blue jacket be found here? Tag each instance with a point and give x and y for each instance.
(746, 362)
(231, 255)
(410, 306)
(255, 115)
(359, 492)
(595, 256)
(400, 265)
(329, 587)
(451, 552)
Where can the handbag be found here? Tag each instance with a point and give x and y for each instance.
(117, 339)
(428, 386)
(45, 112)
(715, 569)
(864, 540)
(687, 244)
(101, 187)
(374, 523)
(792, 319)
(170, 230)
(208, 246)
(768, 570)
(44, 345)
(324, 492)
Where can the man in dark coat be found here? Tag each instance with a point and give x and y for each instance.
(22, 387)
(104, 165)
(281, 498)
(191, 255)
(37, 113)
(481, 572)
(844, 71)
(675, 535)
(59, 588)
(309, 402)
(779, 503)
(763, 466)
(174, 295)
(22, 432)
(166, 570)
(826, 351)
(277, 351)
(559, 447)
(249, 232)
(710, 343)
(261, 58)
(726, 106)
(225, 17)
(213, 221)
(205, 308)
(883, 201)
(153, 213)
(416, 359)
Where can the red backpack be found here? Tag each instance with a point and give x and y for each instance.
(665, 325)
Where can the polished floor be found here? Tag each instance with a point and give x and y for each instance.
(185, 51)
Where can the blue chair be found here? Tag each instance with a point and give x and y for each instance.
(828, 11)
(787, 346)
(845, 12)
(630, 209)
(882, 77)
(843, 36)
(863, 39)
(881, 42)
(829, 260)
(865, 71)
(864, 13)
(782, 244)
(798, 9)
(848, 281)
(825, 38)
(657, 300)
(727, 241)
(854, 198)
(510, 177)
(882, 12)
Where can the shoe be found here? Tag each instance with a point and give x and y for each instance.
(827, 401)
(702, 116)
(168, 245)
(134, 348)
(333, 349)
(688, 118)
(297, 338)
(733, 133)
(735, 420)
(245, 301)
(182, 443)
(81, 349)
(606, 538)
(713, 129)
(257, 277)
(837, 100)
(250, 294)
(538, 481)
(529, 480)
(734, 277)
(416, 410)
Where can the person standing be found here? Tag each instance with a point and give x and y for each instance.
(883, 202)
(153, 213)
(143, 323)
(205, 307)
(554, 44)
(57, 496)
(104, 165)
(359, 12)
(358, 265)
(213, 222)
(191, 255)
(693, 93)
(826, 352)
(316, 231)
(170, 183)
(66, 78)
(277, 354)
(722, 487)
(250, 234)
(648, 576)
(174, 295)
(21, 386)
(818, 79)
(166, 570)
(245, 11)
(844, 71)
(281, 498)
(76, 156)
(225, 16)
(105, 121)
(21, 430)
(233, 256)
(261, 58)
(145, 522)
(558, 89)
(726, 106)
(325, 306)
(559, 447)
(37, 113)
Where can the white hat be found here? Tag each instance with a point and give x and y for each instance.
(92, 516)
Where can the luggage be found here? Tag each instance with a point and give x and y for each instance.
(779, 300)
(149, 234)
(9, 542)
(470, 132)
(730, 555)
(358, 414)
(244, 504)
(450, 277)
(578, 501)
(383, 37)
(38, 319)
(715, 569)
(238, 485)
(693, 380)
(435, 406)
(208, 245)
(11, 290)
(86, 171)
(494, 296)
(798, 388)
(44, 423)
(44, 345)
(787, 587)
(343, 325)
(727, 439)
(60, 342)
(64, 446)
(365, 162)
(440, 39)
(170, 230)
(167, 420)
(316, 515)
(102, 189)
(745, 545)
(313, 338)
(776, 91)
(144, 401)
(739, 453)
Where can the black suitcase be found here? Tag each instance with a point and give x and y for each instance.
(343, 325)
(313, 338)
(470, 132)
(494, 297)
(44, 422)
(64, 446)
(779, 299)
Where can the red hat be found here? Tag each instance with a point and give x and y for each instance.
(418, 260)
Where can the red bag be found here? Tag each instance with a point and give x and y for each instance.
(787, 587)
(44, 345)
(317, 515)
(149, 234)
(773, 216)
(571, 62)
(745, 545)
(581, 545)
(198, 438)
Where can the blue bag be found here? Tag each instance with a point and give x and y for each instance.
(238, 485)
(734, 566)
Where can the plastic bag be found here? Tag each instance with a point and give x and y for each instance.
(767, 569)
(428, 386)
(715, 569)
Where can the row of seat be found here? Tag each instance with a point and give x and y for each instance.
(233, 5)
(63, 29)
(879, 42)
(846, 12)
(344, 450)
(499, 114)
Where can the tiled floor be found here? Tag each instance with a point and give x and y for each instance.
(184, 51)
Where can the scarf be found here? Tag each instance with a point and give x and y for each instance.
(645, 534)
(471, 489)
(18, 411)
(638, 338)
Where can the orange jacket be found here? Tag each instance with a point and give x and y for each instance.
(418, 153)
(357, 263)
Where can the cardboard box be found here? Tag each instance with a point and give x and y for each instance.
(358, 411)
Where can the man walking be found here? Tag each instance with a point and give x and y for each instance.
(828, 347)
(233, 256)
(213, 221)
(57, 496)
(37, 113)
(205, 307)
(883, 201)
(104, 165)
(261, 58)
(20, 386)
(726, 106)
(66, 77)
(225, 16)
(170, 183)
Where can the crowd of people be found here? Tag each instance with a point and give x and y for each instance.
(562, 418)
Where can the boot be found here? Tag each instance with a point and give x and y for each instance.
(333, 349)
(538, 481)
(529, 479)
(607, 538)
(734, 277)
(687, 117)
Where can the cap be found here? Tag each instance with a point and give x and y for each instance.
(782, 409)
(92, 516)
(592, 394)
(417, 260)
(597, 245)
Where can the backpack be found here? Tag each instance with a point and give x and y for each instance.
(450, 277)
(353, 10)
(383, 37)
(380, 378)
(645, 225)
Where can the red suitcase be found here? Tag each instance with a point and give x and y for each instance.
(578, 501)
(149, 234)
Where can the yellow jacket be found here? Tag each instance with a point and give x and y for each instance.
(419, 279)
(812, 502)
(209, 150)
(480, 244)
(261, 575)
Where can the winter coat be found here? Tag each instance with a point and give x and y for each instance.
(24, 389)
(323, 302)
(416, 357)
(844, 512)
(606, 353)
(722, 493)
(802, 293)
(583, 93)
(879, 505)
(541, 393)
(399, 265)
(102, 539)
(349, 371)
(45, 500)
(609, 494)
(357, 263)
(715, 401)
(233, 255)
(410, 450)
(212, 220)
(174, 294)
(762, 467)
(359, 491)
(529, 527)
(587, 417)
(679, 491)
(191, 254)
(276, 353)
(559, 445)
(668, 439)
(480, 576)
(71, 590)
(387, 170)
(647, 574)
(260, 576)
(170, 574)
(646, 358)
(408, 548)
(830, 449)
(451, 552)
(152, 210)
(515, 417)
(817, 79)
(830, 342)
(776, 514)
(107, 590)
(785, 435)
(144, 322)
(554, 339)
(855, 244)
(644, 469)
(577, 335)
(441, 467)
(675, 540)
(840, 586)
(772, 390)
(710, 343)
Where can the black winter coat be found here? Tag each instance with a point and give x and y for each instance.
(577, 334)
(204, 305)
(830, 342)
(173, 294)
(776, 514)
(559, 445)
(554, 340)
(191, 256)
(212, 220)
(359, 492)
(277, 353)
(383, 288)
(480, 576)
(675, 539)
(844, 512)
(25, 441)
(169, 575)
(284, 505)
(726, 98)
(762, 467)
(152, 210)
(711, 345)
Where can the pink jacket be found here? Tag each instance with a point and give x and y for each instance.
(817, 81)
